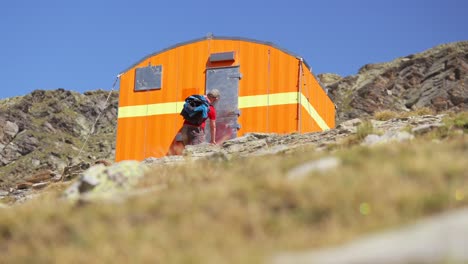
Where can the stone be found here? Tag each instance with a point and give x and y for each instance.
(440, 239)
(200, 150)
(372, 139)
(49, 128)
(440, 103)
(271, 151)
(350, 125)
(9, 154)
(321, 165)
(247, 147)
(10, 129)
(73, 171)
(424, 129)
(458, 94)
(41, 185)
(329, 78)
(27, 145)
(56, 178)
(240, 140)
(35, 162)
(23, 185)
(41, 176)
(389, 136)
(167, 160)
(103, 162)
(101, 182)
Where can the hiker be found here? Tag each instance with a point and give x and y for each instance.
(193, 134)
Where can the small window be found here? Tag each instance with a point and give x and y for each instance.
(223, 56)
(148, 78)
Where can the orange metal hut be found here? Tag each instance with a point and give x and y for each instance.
(263, 89)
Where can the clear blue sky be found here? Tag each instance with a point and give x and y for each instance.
(82, 45)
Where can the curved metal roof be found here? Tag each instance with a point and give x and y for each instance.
(219, 38)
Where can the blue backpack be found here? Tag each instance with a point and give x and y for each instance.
(195, 109)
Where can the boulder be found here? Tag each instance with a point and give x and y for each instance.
(73, 171)
(387, 137)
(102, 182)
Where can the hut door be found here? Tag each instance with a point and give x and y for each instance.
(226, 80)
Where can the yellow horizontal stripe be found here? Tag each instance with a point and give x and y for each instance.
(265, 100)
(244, 102)
(151, 109)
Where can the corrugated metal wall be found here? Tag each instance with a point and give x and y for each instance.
(318, 101)
(149, 120)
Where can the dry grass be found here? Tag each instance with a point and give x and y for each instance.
(244, 210)
(385, 115)
(421, 111)
(364, 129)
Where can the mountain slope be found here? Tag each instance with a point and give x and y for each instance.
(436, 78)
(45, 130)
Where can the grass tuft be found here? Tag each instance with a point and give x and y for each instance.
(364, 129)
(421, 111)
(386, 115)
(458, 121)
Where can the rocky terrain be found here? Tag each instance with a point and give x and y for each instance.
(436, 78)
(45, 131)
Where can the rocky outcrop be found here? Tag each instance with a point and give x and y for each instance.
(256, 144)
(45, 130)
(436, 78)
